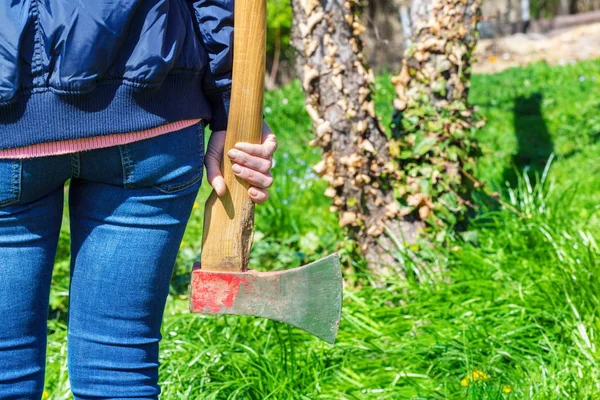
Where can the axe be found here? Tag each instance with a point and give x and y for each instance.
(309, 297)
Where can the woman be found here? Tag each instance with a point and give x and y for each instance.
(114, 96)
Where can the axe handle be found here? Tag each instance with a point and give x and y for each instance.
(229, 220)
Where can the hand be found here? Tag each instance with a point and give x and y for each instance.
(252, 163)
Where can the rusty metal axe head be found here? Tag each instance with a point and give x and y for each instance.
(309, 297)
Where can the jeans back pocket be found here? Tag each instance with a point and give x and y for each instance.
(170, 162)
(10, 181)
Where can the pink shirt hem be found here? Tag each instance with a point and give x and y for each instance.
(96, 142)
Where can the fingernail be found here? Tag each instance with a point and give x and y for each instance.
(233, 154)
(220, 189)
(253, 192)
(236, 169)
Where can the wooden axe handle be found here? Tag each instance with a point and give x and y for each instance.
(229, 221)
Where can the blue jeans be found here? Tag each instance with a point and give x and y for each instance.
(129, 206)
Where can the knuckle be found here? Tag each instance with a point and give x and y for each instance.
(211, 168)
(211, 158)
(241, 158)
(266, 166)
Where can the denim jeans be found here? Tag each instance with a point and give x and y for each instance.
(128, 206)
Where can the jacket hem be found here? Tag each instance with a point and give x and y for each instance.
(111, 108)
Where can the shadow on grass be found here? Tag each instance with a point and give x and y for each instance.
(534, 144)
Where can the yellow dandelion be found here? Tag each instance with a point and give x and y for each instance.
(479, 376)
(475, 376)
(506, 389)
(181, 244)
(45, 395)
(196, 205)
(492, 59)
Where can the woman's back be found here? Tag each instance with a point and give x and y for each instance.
(101, 67)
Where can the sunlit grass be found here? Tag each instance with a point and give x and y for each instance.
(517, 315)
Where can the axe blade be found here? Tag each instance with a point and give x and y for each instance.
(309, 297)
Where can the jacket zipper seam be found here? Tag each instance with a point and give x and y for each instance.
(37, 65)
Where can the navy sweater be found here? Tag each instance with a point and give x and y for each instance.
(76, 69)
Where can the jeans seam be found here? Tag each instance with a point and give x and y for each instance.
(126, 164)
(168, 189)
(15, 184)
(75, 165)
(200, 128)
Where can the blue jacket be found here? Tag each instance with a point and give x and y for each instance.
(73, 69)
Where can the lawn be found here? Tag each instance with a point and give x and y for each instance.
(516, 314)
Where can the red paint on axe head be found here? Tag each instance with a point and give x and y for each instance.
(214, 290)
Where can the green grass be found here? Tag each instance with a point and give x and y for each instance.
(518, 305)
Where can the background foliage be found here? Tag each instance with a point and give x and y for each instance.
(516, 316)
(279, 17)
(280, 54)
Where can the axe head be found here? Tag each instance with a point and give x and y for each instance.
(309, 297)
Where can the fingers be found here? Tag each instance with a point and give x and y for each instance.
(258, 195)
(264, 150)
(252, 163)
(254, 178)
(256, 163)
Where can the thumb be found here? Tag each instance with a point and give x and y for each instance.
(212, 161)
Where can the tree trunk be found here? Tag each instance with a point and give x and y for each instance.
(565, 6)
(573, 9)
(356, 162)
(434, 124)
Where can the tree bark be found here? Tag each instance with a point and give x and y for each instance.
(434, 124)
(387, 190)
(356, 160)
(444, 35)
(406, 24)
